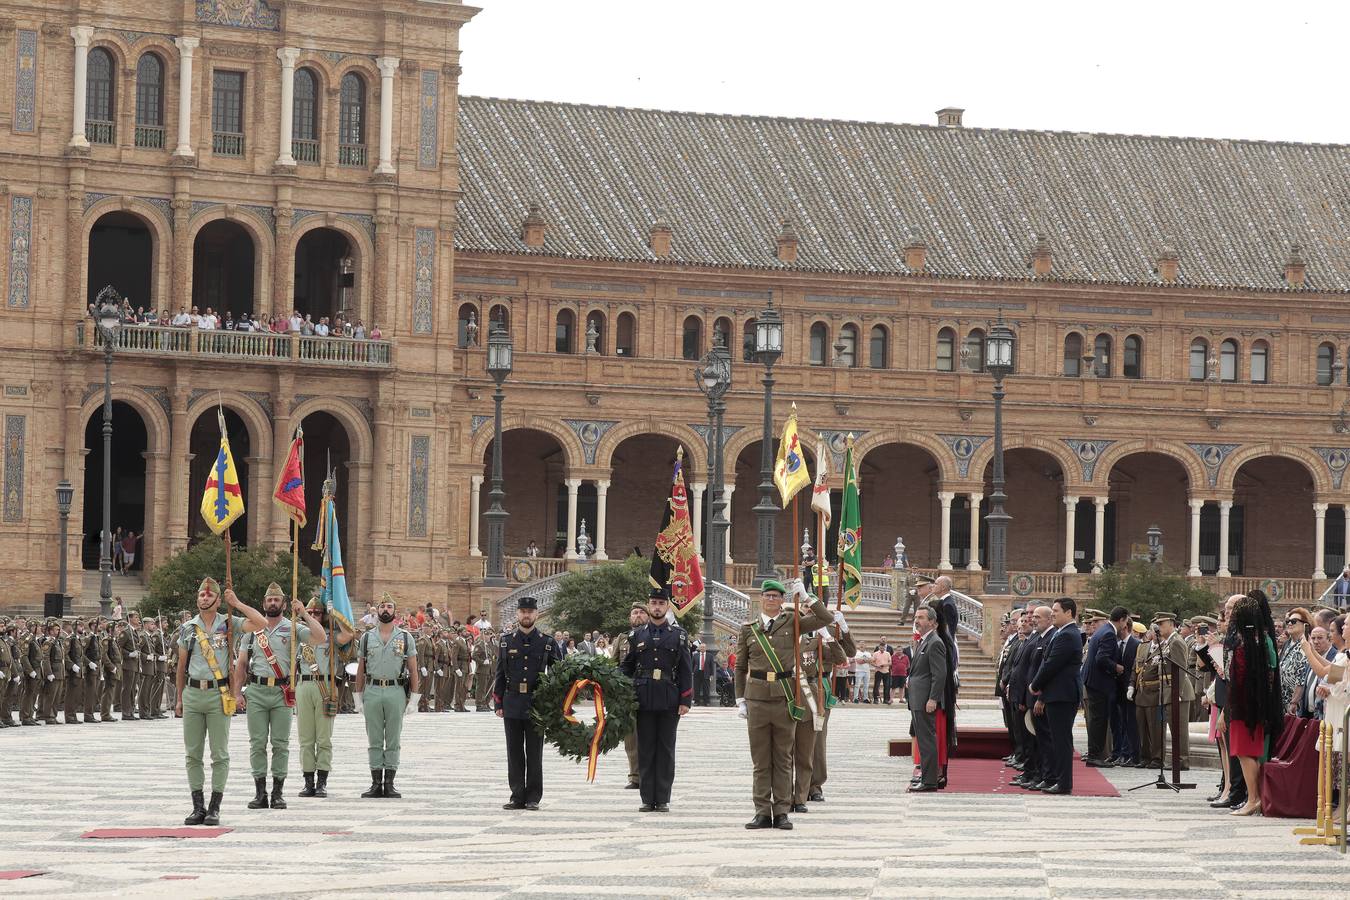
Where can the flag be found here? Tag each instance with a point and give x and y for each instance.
(290, 492)
(820, 495)
(789, 472)
(333, 578)
(676, 569)
(223, 501)
(850, 533)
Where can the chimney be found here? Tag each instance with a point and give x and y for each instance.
(1295, 269)
(533, 228)
(659, 236)
(950, 117)
(1042, 258)
(916, 251)
(787, 243)
(1169, 262)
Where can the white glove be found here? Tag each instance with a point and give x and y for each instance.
(93, 667)
(459, 673)
(440, 673)
(357, 698)
(1129, 692)
(134, 653)
(51, 677)
(163, 659)
(75, 667)
(473, 667)
(2, 675)
(413, 700)
(32, 674)
(825, 636)
(740, 708)
(839, 620)
(424, 671)
(799, 590)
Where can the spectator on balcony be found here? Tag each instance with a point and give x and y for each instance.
(375, 334)
(359, 331)
(182, 319)
(307, 326)
(164, 319)
(245, 323)
(296, 321)
(228, 324)
(532, 550)
(338, 328)
(321, 329)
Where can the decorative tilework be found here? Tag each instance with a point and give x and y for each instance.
(963, 447)
(134, 37)
(727, 432)
(724, 294)
(20, 242)
(1212, 456)
(508, 281)
(419, 469)
(599, 287)
(589, 432)
(1336, 459)
(853, 299)
(1088, 452)
(15, 428)
(419, 412)
(424, 279)
(837, 442)
(365, 220)
(25, 82)
(258, 15)
(478, 422)
(92, 197)
(976, 304)
(429, 127)
(16, 390)
(159, 394)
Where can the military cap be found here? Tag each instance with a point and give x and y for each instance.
(53, 622)
(387, 597)
(1197, 621)
(314, 604)
(527, 603)
(1164, 616)
(274, 590)
(209, 583)
(1138, 628)
(771, 584)
(637, 605)
(1094, 614)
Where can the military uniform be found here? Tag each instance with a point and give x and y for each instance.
(129, 643)
(481, 662)
(32, 649)
(55, 688)
(93, 670)
(386, 666)
(426, 663)
(75, 662)
(658, 661)
(112, 674)
(6, 672)
(622, 644)
(521, 659)
(269, 715)
(763, 690)
(459, 670)
(1147, 704)
(312, 721)
(159, 669)
(147, 664)
(819, 657)
(1176, 650)
(444, 677)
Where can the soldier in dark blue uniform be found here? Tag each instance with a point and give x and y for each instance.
(524, 655)
(662, 670)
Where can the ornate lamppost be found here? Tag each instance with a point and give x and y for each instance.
(1154, 544)
(713, 377)
(108, 320)
(498, 366)
(65, 493)
(999, 355)
(768, 350)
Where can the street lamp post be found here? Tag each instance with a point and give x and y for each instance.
(65, 493)
(1154, 543)
(498, 366)
(108, 319)
(768, 350)
(713, 377)
(999, 355)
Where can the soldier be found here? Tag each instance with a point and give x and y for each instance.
(76, 664)
(637, 617)
(426, 656)
(481, 659)
(31, 650)
(112, 671)
(93, 667)
(263, 663)
(444, 676)
(1176, 650)
(821, 652)
(206, 699)
(6, 672)
(386, 660)
(658, 661)
(764, 660)
(145, 689)
(159, 652)
(1148, 700)
(459, 666)
(54, 690)
(313, 719)
(130, 644)
(523, 657)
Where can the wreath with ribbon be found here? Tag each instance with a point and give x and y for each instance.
(564, 685)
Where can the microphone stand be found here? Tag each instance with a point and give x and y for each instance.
(1168, 685)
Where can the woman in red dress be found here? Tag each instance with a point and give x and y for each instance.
(1253, 694)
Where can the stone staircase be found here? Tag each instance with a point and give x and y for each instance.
(869, 625)
(84, 594)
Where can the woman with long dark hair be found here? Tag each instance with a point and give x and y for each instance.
(1254, 711)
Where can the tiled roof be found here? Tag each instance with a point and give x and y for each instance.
(856, 193)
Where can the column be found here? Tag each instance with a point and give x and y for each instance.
(698, 488)
(1194, 569)
(1225, 507)
(178, 470)
(1099, 535)
(475, 501)
(288, 56)
(1345, 559)
(1319, 540)
(185, 47)
(974, 564)
(388, 65)
(944, 552)
(1070, 526)
(601, 492)
(727, 491)
(573, 485)
(82, 34)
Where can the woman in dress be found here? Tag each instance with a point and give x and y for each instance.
(1293, 661)
(1253, 694)
(1335, 695)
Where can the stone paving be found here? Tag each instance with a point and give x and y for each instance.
(449, 836)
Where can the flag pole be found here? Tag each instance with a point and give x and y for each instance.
(295, 588)
(229, 616)
(796, 617)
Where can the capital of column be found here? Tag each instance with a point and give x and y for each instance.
(573, 484)
(601, 485)
(1069, 501)
(288, 57)
(946, 497)
(698, 487)
(1196, 506)
(82, 34)
(1100, 502)
(186, 45)
(1319, 509)
(476, 481)
(1225, 505)
(975, 499)
(387, 65)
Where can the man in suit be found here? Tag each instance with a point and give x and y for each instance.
(1101, 674)
(927, 689)
(1023, 740)
(945, 604)
(1058, 688)
(705, 665)
(1038, 746)
(1124, 728)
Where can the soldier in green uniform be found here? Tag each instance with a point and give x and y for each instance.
(75, 662)
(1179, 654)
(112, 671)
(424, 648)
(459, 668)
(312, 719)
(764, 691)
(263, 664)
(39, 673)
(442, 677)
(93, 667)
(1148, 701)
(481, 658)
(130, 644)
(6, 671)
(159, 667)
(146, 671)
(637, 617)
(386, 660)
(55, 687)
(834, 647)
(205, 697)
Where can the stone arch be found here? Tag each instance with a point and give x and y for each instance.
(696, 466)
(566, 438)
(355, 424)
(156, 419)
(935, 447)
(259, 428)
(1196, 479)
(264, 249)
(1310, 461)
(161, 241)
(365, 253)
(1068, 463)
(737, 443)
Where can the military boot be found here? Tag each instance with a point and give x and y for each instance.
(308, 789)
(389, 785)
(259, 800)
(278, 801)
(213, 811)
(321, 784)
(198, 814)
(376, 784)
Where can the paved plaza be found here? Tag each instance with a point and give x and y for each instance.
(449, 835)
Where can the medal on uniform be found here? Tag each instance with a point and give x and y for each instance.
(656, 674)
(524, 688)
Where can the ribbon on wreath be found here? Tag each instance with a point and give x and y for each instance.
(598, 695)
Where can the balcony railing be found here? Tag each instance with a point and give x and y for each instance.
(248, 346)
(306, 152)
(353, 155)
(224, 144)
(100, 132)
(150, 137)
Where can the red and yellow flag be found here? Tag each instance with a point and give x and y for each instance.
(290, 492)
(676, 569)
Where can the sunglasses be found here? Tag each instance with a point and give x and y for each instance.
(1295, 621)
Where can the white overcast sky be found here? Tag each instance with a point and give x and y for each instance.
(1241, 69)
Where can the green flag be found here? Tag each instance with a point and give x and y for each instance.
(850, 534)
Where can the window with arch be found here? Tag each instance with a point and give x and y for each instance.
(1199, 359)
(150, 102)
(625, 335)
(563, 332)
(946, 350)
(1326, 362)
(1132, 366)
(1259, 368)
(820, 344)
(1228, 360)
(99, 94)
(848, 346)
(877, 345)
(691, 340)
(722, 332)
(1101, 356)
(1073, 354)
(352, 121)
(595, 326)
(748, 340)
(972, 355)
(469, 331)
(305, 117)
(499, 315)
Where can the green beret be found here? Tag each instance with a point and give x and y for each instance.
(772, 585)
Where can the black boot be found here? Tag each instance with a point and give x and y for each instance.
(259, 800)
(389, 785)
(278, 801)
(376, 784)
(321, 785)
(213, 811)
(308, 789)
(198, 814)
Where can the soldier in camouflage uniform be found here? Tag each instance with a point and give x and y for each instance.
(637, 617)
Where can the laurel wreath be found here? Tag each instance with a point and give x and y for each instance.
(573, 739)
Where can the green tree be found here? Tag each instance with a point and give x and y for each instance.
(173, 585)
(599, 598)
(1145, 589)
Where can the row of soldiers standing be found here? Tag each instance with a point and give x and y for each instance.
(452, 661)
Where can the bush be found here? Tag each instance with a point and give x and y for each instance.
(1145, 589)
(599, 598)
(173, 585)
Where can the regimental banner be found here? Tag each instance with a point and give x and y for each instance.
(676, 569)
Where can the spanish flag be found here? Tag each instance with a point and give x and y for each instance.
(789, 472)
(223, 501)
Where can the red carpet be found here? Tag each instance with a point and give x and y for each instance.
(156, 832)
(991, 776)
(15, 874)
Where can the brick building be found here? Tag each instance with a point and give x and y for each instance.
(1179, 306)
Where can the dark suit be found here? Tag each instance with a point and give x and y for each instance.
(1124, 728)
(705, 666)
(928, 681)
(1020, 689)
(1012, 700)
(946, 609)
(1099, 675)
(1060, 688)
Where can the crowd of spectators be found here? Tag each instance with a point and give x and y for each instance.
(209, 320)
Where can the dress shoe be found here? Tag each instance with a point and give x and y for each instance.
(1057, 789)
(663, 807)
(513, 805)
(782, 822)
(631, 786)
(1251, 809)
(799, 808)
(1212, 797)
(1220, 803)
(532, 807)
(759, 821)
(1019, 781)
(1097, 763)
(816, 796)
(646, 807)
(1042, 786)
(1019, 766)
(921, 788)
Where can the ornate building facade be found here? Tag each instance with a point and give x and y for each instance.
(1179, 306)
